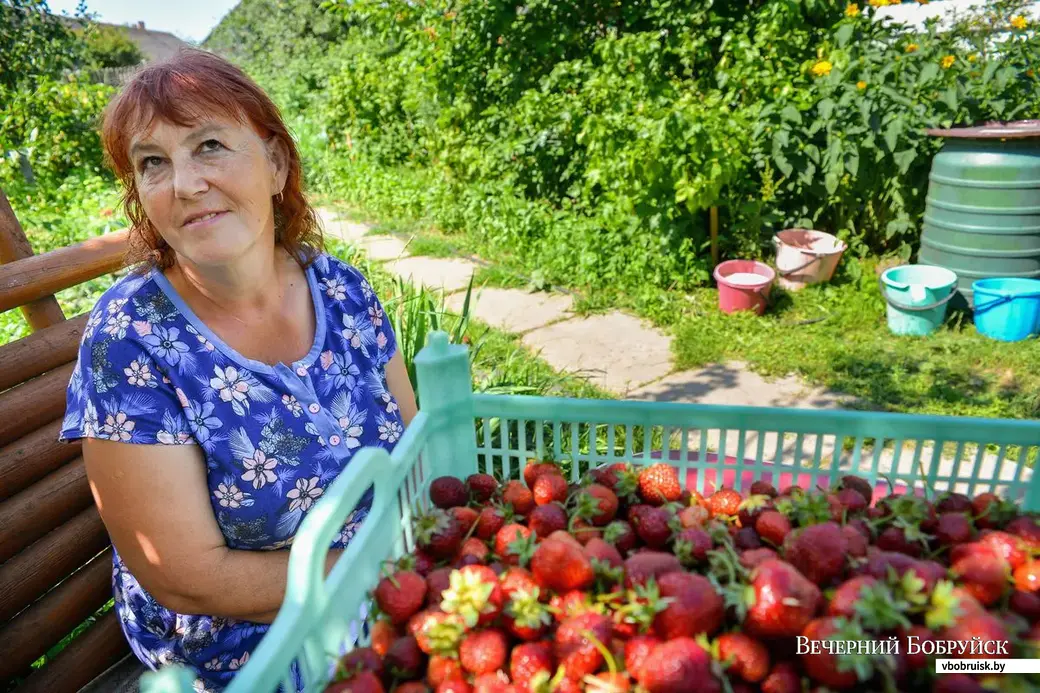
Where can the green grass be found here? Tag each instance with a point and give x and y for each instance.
(834, 335)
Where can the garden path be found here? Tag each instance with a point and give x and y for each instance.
(627, 356)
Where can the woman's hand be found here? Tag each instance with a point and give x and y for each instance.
(401, 387)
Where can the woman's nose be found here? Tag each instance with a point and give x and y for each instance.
(189, 179)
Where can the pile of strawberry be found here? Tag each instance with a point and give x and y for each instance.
(626, 582)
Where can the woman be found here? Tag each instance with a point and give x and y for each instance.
(222, 388)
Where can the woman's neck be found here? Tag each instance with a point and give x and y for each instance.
(252, 287)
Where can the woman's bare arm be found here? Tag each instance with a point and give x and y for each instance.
(401, 387)
(155, 503)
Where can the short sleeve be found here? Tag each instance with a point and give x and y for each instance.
(382, 329)
(117, 390)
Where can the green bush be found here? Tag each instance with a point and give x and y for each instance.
(108, 46)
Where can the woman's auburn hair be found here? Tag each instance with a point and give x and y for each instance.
(184, 89)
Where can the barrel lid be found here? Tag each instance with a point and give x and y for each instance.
(992, 130)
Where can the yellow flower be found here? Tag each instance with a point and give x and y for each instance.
(948, 61)
(861, 84)
(1019, 22)
(911, 47)
(878, 3)
(852, 10)
(822, 68)
(972, 58)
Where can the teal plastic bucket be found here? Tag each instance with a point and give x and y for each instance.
(917, 296)
(1007, 309)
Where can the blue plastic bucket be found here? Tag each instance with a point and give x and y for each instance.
(1007, 309)
(917, 296)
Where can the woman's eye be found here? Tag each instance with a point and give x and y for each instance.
(211, 145)
(150, 161)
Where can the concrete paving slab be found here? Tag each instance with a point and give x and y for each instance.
(342, 228)
(616, 351)
(382, 248)
(734, 384)
(447, 275)
(514, 310)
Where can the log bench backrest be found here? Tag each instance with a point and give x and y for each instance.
(55, 555)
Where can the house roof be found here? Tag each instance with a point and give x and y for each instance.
(155, 45)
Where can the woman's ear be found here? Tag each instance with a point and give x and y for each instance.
(278, 155)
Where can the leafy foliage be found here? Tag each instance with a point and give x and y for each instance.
(108, 46)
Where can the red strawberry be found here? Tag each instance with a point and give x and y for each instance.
(448, 492)
(991, 511)
(652, 526)
(438, 632)
(678, 666)
(818, 551)
(383, 635)
(365, 682)
(783, 678)
(467, 517)
(599, 550)
(568, 604)
(441, 668)
(401, 595)
(475, 547)
(546, 519)
(358, 660)
(484, 651)
(412, 687)
(491, 519)
(566, 537)
(550, 488)
(852, 501)
(560, 567)
(617, 682)
(516, 579)
(597, 504)
(980, 624)
(575, 651)
(495, 682)
(1027, 528)
(953, 503)
(584, 531)
(916, 659)
(1009, 547)
(418, 561)
(822, 666)
(692, 545)
(748, 659)
(404, 659)
(895, 539)
(695, 608)
(659, 484)
(845, 598)
(694, 516)
(1027, 576)
(724, 503)
(957, 683)
(519, 496)
(859, 485)
(750, 508)
(954, 528)
(453, 686)
(784, 601)
(1027, 604)
(436, 582)
(637, 649)
(533, 471)
(985, 577)
(621, 534)
(856, 543)
(475, 594)
(747, 539)
(525, 616)
(481, 487)
(641, 567)
(439, 534)
(750, 559)
(530, 659)
(762, 488)
(773, 526)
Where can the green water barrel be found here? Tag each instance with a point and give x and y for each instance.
(982, 215)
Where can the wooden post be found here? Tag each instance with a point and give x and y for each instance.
(15, 246)
(714, 225)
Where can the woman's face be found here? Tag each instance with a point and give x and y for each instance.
(208, 188)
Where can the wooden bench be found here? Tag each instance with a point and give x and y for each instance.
(55, 555)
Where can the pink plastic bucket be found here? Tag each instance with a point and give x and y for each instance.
(738, 288)
(805, 257)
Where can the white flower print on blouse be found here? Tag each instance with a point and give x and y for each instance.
(259, 469)
(239, 663)
(229, 496)
(303, 496)
(92, 324)
(118, 427)
(389, 402)
(90, 420)
(335, 288)
(350, 419)
(292, 404)
(165, 343)
(139, 374)
(116, 305)
(214, 665)
(232, 387)
(389, 429)
(366, 290)
(116, 325)
(204, 344)
(351, 331)
(375, 314)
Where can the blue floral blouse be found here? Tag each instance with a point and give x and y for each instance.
(274, 437)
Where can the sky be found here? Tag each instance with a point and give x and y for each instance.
(186, 19)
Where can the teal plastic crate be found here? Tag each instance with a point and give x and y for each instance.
(459, 432)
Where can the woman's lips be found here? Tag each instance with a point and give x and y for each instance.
(206, 220)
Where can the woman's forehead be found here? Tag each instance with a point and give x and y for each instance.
(165, 131)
